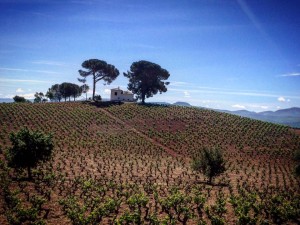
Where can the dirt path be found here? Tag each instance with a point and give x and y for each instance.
(128, 127)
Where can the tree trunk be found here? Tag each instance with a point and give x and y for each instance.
(143, 98)
(86, 96)
(94, 86)
(29, 173)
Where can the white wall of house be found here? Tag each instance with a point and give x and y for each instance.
(119, 95)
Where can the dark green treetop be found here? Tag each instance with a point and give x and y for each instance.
(146, 79)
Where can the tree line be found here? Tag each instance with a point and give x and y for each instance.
(65, 91)
(58, 92)
(145, 80)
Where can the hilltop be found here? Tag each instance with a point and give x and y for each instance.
(131, 162)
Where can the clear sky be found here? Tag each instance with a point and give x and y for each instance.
(226, 54)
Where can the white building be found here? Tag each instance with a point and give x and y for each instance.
(119, 95)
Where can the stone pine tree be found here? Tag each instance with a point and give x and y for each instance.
(146, 79)
(28, 149)
(210, 162)
(99, 70)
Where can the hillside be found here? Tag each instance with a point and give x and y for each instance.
(289, 117)
(130, 164)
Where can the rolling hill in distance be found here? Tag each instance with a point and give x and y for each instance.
(122, 163)
(289, 117)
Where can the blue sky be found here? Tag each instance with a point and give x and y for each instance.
(226, 54)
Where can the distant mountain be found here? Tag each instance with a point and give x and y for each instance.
(6, 100)
(160, 103)
(181, 104)
(167, 103)
(289, 117)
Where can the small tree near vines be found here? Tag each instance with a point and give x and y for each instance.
(210, 162)
(29, 148)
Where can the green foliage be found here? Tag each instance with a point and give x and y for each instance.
(137, 201)
(210, 162)
(17, 212)
(177, 205)
(146, 79)
(19, 99)
(130, 218)
(216, 212)
(282, 209)
(99, 70)
(81, 214)
(29, 148)
(245, 207)
(199, 200)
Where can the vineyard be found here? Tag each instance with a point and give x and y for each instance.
(131, 164)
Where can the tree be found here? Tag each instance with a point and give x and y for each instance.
(50, 95)
(55, 92)
(28, 149)
(76, 91)
(210, 162)
(99, 70)
(146, 79)
(39, 97)
(19, 99)
(84, 88)
(66, 90)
